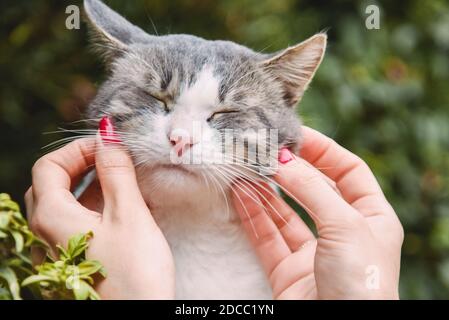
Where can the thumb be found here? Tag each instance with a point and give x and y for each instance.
(115, 169)
(306, 185)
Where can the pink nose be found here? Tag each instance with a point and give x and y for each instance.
(180, 142)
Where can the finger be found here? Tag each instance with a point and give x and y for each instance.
(53, 211)
(294, 277)
(328, 180)
(55, 171)
(56, 218)
(352, 176)
(116, 173)
(295, 232)
(306, 186)
(265, 237)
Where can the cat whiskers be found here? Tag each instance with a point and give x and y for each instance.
(246, 180)
(223, 193)
(233, 182)
(248, 166)
(241, 180)
(79, 134)
(285, 190)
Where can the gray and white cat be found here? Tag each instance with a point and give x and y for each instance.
(158, 84)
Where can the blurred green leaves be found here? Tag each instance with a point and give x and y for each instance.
(68, 277)
(15, 242)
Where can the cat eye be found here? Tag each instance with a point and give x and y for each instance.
(219, 113)
(159, 99)
(164, 103)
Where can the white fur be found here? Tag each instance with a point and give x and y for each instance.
(213, 256)
(202, 94)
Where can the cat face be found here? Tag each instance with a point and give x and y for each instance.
(183, 105)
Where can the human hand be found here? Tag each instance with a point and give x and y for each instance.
(357, 252)
(126, 240)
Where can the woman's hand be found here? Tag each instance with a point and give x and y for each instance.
(357, 252)
(126, 239)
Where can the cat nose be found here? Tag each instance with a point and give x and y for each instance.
(181, 141)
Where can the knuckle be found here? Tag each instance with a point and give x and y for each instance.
(309, 178)
(396, 225)
(305, 176)
(117, 164)
(354, 162)
(28, 194)
(39, 164)
(36, 224)
(41, 212)
(365, 168)
(400, 231)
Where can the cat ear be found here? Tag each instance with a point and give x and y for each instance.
(111, 31)
(296, 66)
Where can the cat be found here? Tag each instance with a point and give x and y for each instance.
(159, 84)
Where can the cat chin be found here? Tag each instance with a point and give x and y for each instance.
(165, 186)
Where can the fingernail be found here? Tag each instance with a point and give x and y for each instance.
(285, 156)
(107, 131)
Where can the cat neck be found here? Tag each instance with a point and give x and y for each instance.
(195, 204)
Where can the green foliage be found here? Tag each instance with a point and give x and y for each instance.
(71, 275)
(15, 243)
(68, 277)
(383, 93)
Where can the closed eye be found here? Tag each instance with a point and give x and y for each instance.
(221, 112)
(158, 98)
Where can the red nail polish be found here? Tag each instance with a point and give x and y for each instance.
(285, 156)
(107, 131)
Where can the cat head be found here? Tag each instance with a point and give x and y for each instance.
(176, 97)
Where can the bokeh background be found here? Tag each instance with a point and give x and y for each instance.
(384, 94)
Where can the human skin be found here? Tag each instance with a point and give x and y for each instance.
(124, 229)
(356, 254)
(357, 228)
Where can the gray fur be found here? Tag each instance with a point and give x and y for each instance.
(263, 88)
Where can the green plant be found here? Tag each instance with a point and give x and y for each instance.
(70, 276)
(15, 243)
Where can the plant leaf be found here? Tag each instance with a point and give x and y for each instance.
(89, 267)
(24, 258)
(18, 239)
(4, 196)
(82, 291)
(4, 221)
(10, 277)
(37, 278)
(62, 252)
(5, 294)
(93, 295)
(78, 244)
